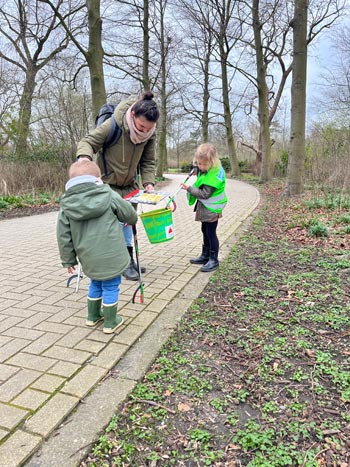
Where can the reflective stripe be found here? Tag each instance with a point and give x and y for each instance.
(216, 202)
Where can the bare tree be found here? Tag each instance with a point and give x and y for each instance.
(277, 45)
(94, 53)
(195, 20)
(32, 39)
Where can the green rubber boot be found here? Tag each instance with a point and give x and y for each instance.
(112, 320)
(94, 312)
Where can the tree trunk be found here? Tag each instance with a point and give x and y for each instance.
(295, 169)
(263, 108)
(25, 112)
(227, 116)
(146, 82)
(206, 96)
(163, 159)
(94, 56)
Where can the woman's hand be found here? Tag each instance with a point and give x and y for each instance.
(149, 188)
(184, 187)
(71, 269)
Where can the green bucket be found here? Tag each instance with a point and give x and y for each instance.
(158, 225)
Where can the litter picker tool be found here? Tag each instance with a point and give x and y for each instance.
(141, 286)
(172, 198)
(78, 276)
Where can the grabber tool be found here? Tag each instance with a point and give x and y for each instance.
(78, 276)
(140, 288)
(171, 199)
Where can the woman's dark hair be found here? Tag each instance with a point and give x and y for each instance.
(146, 107)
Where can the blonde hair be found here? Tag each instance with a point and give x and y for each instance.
(84, 167)
(206, 152)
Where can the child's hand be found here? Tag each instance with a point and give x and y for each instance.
(71, 269)
(184, 187)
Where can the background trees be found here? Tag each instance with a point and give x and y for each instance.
(220, 71)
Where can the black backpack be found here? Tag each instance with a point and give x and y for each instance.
(106, 112)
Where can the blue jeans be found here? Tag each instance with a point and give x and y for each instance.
(127, 231)
(107, 290)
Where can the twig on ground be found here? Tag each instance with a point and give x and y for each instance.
(145, 401)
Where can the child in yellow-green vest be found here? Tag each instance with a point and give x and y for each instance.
(208, 195)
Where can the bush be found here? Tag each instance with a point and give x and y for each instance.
(186, 167)
(225, 162)
(32, 177)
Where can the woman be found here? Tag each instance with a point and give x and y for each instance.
(132, 155)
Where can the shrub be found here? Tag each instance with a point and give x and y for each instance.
(225, 162)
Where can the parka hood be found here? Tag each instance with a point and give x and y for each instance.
(86, 201)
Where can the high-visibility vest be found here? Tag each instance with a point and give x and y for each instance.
(216, 178)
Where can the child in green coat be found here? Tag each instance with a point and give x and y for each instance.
(89, 228)
(208, 195)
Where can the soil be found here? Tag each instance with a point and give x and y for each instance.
(28, 211)
(257, 375)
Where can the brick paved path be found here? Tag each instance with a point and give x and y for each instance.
(49, 359)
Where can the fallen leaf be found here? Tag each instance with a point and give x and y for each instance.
(182, 407)
(310, 353)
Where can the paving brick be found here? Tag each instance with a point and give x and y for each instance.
(3, 434)
(17, 448)
(30, 301)
(43, 343)
(20, 312)
(145, 318)
(62, 315)
(110, 355)
(34, 320)
(55, 298)
(11, 416)
(4, 340)
(53, 327)
(4, 304)
(30, 399)
(99, 336)
(11, 348)
(24, 333)
(74, 336)
(33, 362)
(129, 334)
(84, 381)
(68, 355)
(51, 414)
(90, 346)
(65, 369)
(49, 383)
(7, 371)
(7, 323)
(14, 385)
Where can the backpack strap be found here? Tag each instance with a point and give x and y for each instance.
(113, 136)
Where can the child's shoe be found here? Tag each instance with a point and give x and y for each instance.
(94, 312)
(213, 262)
(112, 320)
(203, 258)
